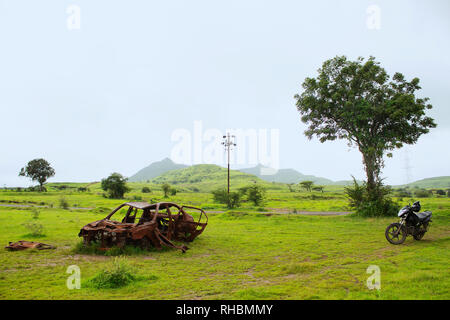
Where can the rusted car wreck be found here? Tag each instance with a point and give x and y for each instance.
(146, 225)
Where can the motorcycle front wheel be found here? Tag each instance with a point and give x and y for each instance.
(395, 234)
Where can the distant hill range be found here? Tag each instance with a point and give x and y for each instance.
(168, 171)
(155, 169)
(290, 176)
(435, 182)
(156, 172)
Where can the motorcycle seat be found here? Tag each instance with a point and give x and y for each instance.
(424, 215)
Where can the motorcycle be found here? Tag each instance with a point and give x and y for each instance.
(411, 223)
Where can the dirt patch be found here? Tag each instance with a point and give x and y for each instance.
(310, 213)
(91, 257)
(289, 211)
(34, 206)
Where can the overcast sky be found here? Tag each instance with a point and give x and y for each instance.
(107, 96)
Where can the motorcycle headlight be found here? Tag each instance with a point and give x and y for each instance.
(402, 211)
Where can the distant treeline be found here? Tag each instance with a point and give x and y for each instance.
(37, 188)
(420, 192)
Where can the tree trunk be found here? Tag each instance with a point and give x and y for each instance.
(372, 169)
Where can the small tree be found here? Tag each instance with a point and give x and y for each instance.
(291, 187)
(38, 170)
(166, 189)
(115, 185)
(307, 185)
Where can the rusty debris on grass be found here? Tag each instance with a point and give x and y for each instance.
(22, 245)
(156, 225)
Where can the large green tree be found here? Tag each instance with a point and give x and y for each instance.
(38, 170)
(359, 102)
(116, 185)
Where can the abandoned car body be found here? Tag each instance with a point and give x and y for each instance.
(158, 225)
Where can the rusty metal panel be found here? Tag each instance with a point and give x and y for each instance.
(22, 245)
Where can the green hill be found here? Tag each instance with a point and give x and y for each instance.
(435, 182)
(207, 177)
(155, 169)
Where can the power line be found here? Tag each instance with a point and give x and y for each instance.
(407, 166)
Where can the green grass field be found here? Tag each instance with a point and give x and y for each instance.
(246, 253)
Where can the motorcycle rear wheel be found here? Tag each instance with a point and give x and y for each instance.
(395, 233)
(419, 235)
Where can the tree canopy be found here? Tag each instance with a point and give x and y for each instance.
(116, 185)
(306, 185)
(38, 170)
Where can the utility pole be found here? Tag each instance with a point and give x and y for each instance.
(407, 166)
(228, 141)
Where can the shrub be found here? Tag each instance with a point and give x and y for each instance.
(422, 193)
(35, 213)
(232, 199)
(173, 192)
(256, 194)
(63, 203)
(318, 188)
(35, 229)
(402, 194)
(378, 203)
(440, 192)
(146, 190)
(118, 274)
(36, 188)
(101, 210)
